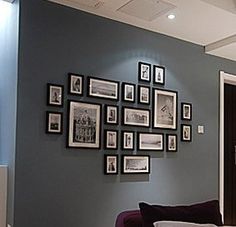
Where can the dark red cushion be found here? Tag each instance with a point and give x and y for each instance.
(130, 218)
(201, 213)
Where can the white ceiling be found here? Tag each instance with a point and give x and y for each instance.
(210, 23)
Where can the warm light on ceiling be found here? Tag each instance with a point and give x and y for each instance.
(171, 16)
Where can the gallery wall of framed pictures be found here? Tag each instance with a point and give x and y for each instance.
(127, 117)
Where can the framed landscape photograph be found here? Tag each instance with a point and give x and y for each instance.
(144, 72)
(54, 122)
(136, 117)
(158, 74)
(110, 164)
(84, 125)
(128, 92)
(135, 164)
(101, 88)
(111, 114)
(165, 109)
(150, 141)
(76, 83)
(186, 111)
(127, 140)
(171, 142)
(186, 133)
(55, 95)
(111, 139)
(143, 94)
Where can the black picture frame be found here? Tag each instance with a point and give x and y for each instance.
(158, 74)
(55, 94)
(54, 122)
(111, 114)
(171, 143)
(110, 139)
(144, 72)
(186, 111)
(84, 125)
(103, 88)
(144, 94)
(111, 164)
(139, 164)
(150, 141)
(127, 140)
(186, 133)
(128, 92)
(75, 84)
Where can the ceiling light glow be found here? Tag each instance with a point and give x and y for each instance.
(171, 16)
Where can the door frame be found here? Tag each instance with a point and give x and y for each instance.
(225, 78)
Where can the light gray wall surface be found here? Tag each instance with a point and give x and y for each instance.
(57, 186)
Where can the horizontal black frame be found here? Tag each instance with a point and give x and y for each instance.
(149, 133)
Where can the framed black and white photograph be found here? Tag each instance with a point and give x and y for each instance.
(171, 142)
(186, 111)
(186, 133)
(111, 139)
(158, 74)
(76, 83)
(111, 114)
(110, 164)
(55, 95)
(144, 72)
(128, 92)
(54, 122)
(135, 164)
(143, 94)
(165, 109)
(136, 117)
(150, 141)
(84, 125)
(127, 140)
(101, 88)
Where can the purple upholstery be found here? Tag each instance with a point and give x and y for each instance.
(131, 218)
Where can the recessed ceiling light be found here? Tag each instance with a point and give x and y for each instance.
(171, 16)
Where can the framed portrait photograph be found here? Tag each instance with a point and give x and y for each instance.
(54, 122)
(186, 111)
(158, 74)
(111, 139)
(128, 92)
(127, 140)
(84, 125)
(150, 141)
(171, 142)
(101, 88)
(135, 164)
(76, 83)
(186, 133)
(144, 72)
(143, 94)
(55, 95)
(110, 164)
(136, 117)
(111, 114)
(165, 109)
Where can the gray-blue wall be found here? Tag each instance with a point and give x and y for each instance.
(9, 19)
(56, 186)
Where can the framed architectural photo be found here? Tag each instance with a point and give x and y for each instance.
(84, 125)
(144, 72)
(158, 74)
(136, 117)
(54, 122)
(111, 139)
(186, 111)
(76, 83)
(171, 142)
(55, 95)
(110, 164)
(101, 88)
(111, 114)
(143, 94)
(127, 140)
(128, 92)
(150, 141)
(164, 109)
(135, 164)
(186, 133)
